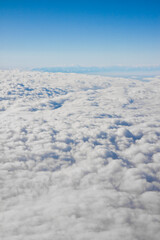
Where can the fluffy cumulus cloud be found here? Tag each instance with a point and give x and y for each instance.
(79, 157)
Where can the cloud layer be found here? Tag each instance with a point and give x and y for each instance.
(104, 70)
(80, 157)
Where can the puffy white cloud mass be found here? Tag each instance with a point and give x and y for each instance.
(79, 157)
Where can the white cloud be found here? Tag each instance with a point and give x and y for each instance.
(79, 157)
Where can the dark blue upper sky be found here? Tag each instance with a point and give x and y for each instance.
(47, 33)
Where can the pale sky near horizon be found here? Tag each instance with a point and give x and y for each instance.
(100, 33)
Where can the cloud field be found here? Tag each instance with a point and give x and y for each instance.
(79, 157)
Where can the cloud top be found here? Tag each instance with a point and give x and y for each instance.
(79, 157)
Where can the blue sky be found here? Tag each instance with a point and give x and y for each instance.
(89, 33)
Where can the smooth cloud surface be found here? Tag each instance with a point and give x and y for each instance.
(80, 157)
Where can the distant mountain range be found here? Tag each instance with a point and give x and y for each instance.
(94, 70)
